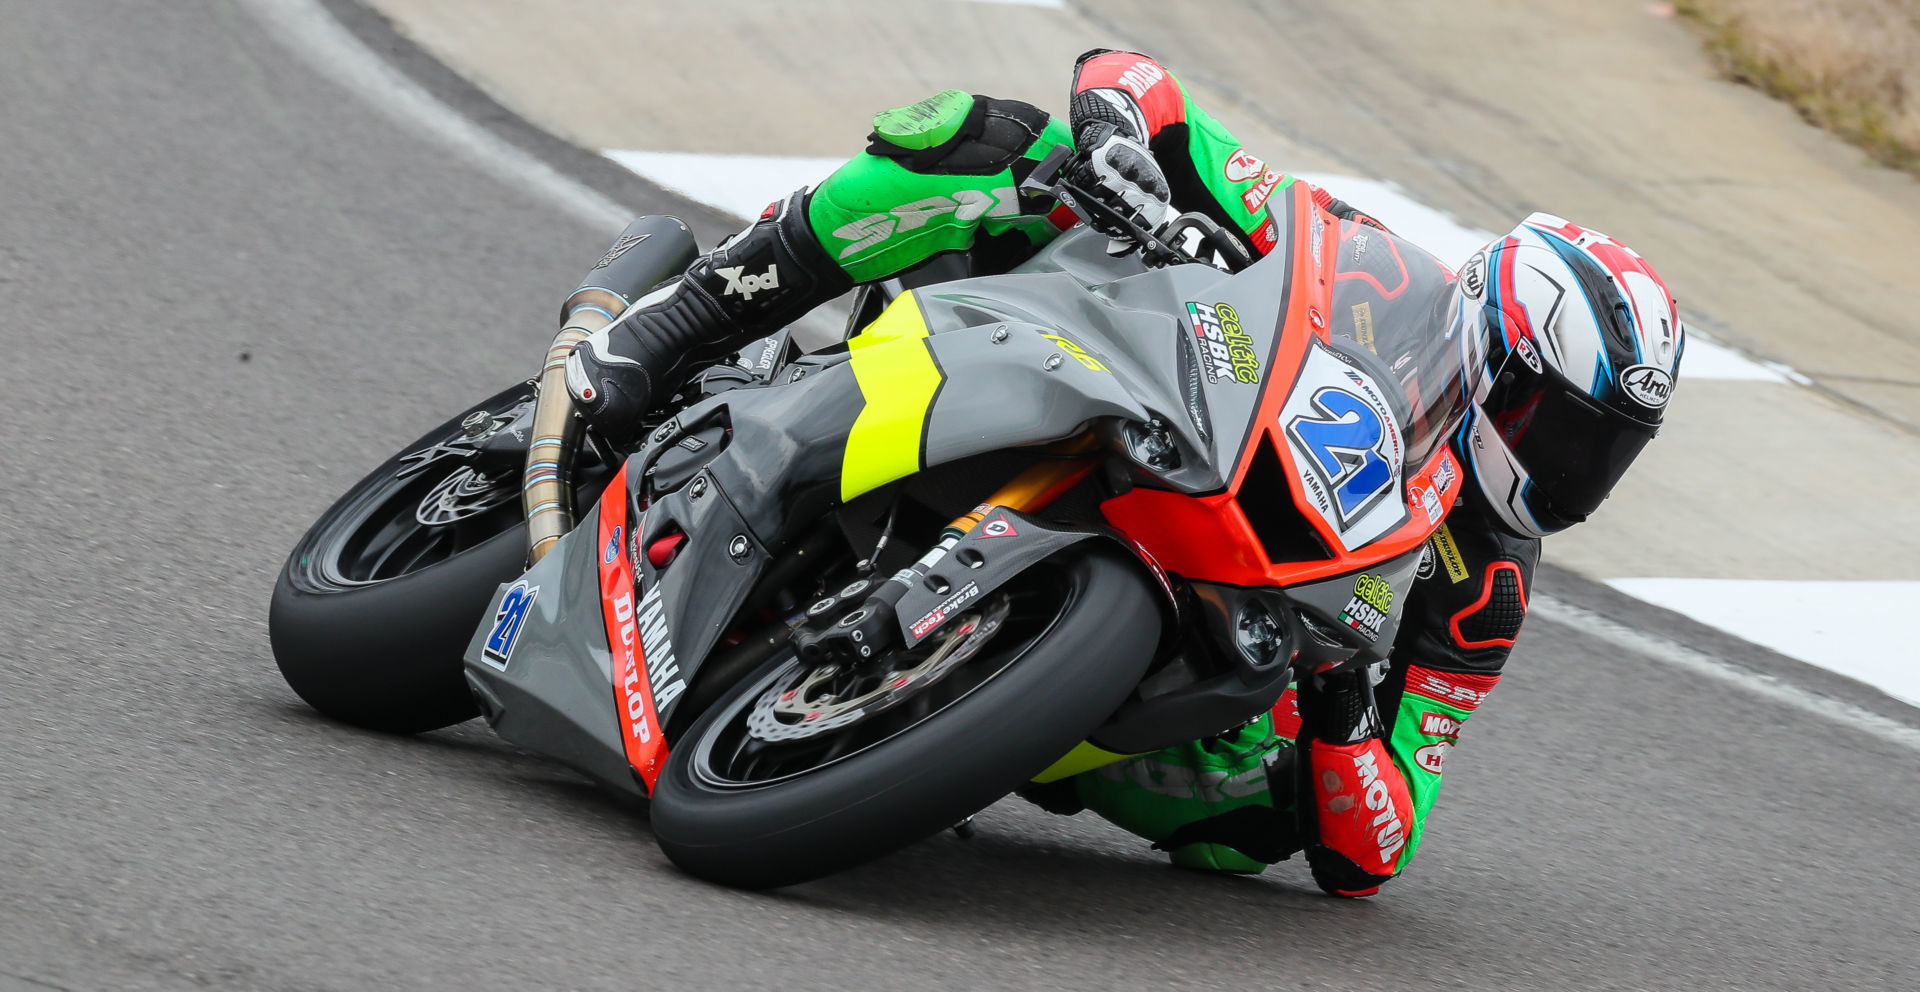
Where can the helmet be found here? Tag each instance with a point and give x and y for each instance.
(1582, 345)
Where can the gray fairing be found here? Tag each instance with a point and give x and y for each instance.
(555, 692)
(770, 460)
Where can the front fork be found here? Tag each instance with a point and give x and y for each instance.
(874, 627)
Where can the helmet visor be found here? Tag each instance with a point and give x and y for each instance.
(1572, 448)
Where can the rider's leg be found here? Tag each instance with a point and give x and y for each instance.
(1225, 803)
(935, 177)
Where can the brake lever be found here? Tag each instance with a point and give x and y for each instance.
(1046, 180)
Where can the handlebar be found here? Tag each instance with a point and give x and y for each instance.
(1048, 179)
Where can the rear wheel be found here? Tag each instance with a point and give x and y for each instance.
(801, 770)
(377, 602)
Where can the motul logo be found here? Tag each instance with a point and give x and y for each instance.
(1389, 831)
(1439, 725)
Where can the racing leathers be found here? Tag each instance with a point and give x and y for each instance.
(1344, 768)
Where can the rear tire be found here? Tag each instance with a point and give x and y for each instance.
(1059, 686)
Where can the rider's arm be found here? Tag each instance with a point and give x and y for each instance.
(1461, 620)
(1207, 167)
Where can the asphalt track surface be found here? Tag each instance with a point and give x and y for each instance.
(227, 288)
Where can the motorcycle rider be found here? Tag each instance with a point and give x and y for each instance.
(1582, 341)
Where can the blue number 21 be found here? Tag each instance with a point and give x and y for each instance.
(1342, 446)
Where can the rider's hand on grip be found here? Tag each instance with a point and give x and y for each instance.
(1124, 174)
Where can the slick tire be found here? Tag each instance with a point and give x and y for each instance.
(387, 656)
(382, 649)
(932, 775)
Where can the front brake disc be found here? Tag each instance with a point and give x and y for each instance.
(804, 703)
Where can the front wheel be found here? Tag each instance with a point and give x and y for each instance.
(377, 601)
(801, 771)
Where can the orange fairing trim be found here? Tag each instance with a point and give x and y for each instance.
(640, 731)
(1209, 537)
(1486, 596)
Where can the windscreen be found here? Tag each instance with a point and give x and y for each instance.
(1394, 308)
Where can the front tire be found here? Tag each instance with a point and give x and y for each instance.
(1052, 688)
(377, 602)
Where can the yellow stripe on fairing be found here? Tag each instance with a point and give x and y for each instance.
(897, 378)
(1084, 757)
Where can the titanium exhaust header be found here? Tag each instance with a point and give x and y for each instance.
(650, 251)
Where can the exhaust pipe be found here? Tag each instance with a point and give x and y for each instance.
(650, 251)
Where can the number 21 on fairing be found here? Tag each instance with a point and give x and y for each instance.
(1342, 444)
(507, 623)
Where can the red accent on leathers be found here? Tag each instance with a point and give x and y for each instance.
(1286, 715)
(1486, 596)
(1362, 804)
(1461, 689)
(1149, 83)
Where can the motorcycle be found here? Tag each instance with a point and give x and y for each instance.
(1017, 527)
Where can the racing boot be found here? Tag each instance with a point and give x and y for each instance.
(1224, 803)
(753, 284)
(1362, 808)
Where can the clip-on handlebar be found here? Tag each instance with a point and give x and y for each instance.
(1048, 179)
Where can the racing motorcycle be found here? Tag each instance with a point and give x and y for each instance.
(1014, 528)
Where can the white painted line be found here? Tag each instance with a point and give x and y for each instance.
(1047, 4)
(1848, 627)
(741, 185)
(1765, 686)
(310, 33)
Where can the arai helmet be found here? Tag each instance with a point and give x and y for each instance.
(1583, 343)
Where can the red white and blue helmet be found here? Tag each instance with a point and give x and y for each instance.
(1583, 343)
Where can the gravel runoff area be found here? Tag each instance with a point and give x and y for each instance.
(1851, 66)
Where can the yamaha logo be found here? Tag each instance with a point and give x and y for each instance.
(1648, 385)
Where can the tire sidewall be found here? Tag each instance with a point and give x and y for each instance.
(934, 774)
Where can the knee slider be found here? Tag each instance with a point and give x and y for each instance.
(957, 134)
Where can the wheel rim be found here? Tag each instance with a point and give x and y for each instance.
(450, 492)
(743, 748)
